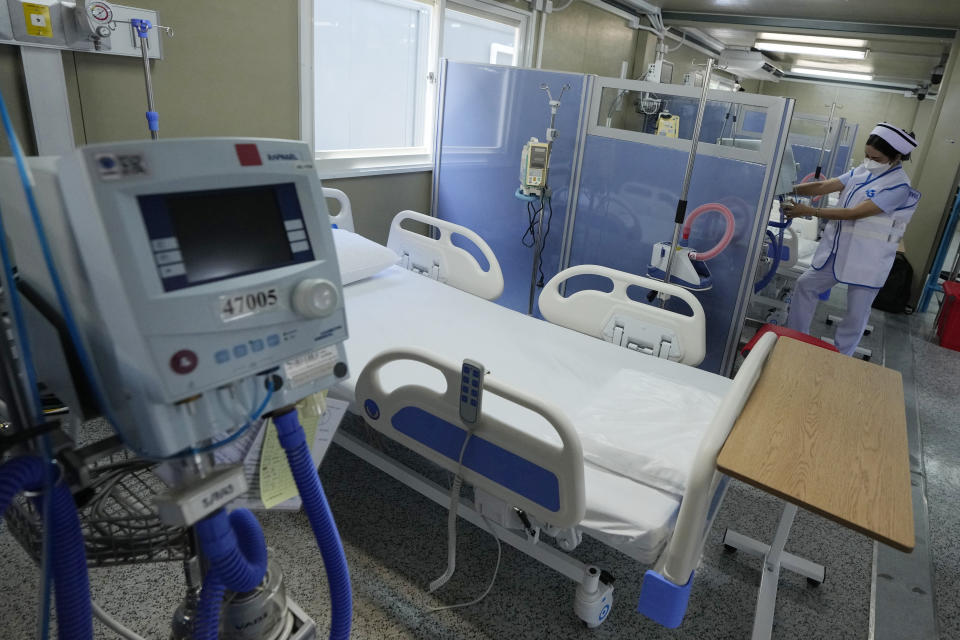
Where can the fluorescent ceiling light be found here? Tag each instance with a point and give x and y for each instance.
(853, 67)
(826, 73)
(796, 37)
(830, 52)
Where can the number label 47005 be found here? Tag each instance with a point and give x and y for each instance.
(248, 303)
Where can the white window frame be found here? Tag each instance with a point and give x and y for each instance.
(360, 162)
(493, 10)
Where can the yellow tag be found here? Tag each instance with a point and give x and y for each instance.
(276, 480)
(37, 19)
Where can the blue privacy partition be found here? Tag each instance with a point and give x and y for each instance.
(487, 113)
(630, 181)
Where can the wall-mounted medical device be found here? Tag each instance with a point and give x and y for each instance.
(199, 273)
(80, 25)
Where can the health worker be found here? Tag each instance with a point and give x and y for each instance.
(862, 235)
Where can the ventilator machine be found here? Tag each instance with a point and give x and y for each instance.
(181, 290)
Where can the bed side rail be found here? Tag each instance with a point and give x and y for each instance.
(616, 318)
(666, 590)
(543, 479)
(442, 260)
(343, 219)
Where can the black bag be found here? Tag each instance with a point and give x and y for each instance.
(895, 293)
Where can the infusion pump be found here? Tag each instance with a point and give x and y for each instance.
(534, 164)
(199, 273)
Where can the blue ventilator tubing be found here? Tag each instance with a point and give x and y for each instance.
(70, 579)
(237, 552)
(776, 248)
(294, 443)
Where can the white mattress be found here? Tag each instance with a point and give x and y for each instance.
(400, 309)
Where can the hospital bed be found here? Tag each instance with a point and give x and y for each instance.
(563, 444)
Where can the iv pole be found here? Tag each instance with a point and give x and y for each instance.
(545, 196)
(826, 135)
(684, 190)
(142, 27)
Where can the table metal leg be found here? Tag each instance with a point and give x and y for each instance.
(832, 318)
(774, 558)
(863, 352)
(806, 568)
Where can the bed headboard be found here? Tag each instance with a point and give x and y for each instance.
(616, 318)
(442, 260)
(344, 218)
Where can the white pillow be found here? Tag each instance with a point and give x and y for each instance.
(360, 258)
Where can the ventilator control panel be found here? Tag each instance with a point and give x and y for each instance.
(199, 270)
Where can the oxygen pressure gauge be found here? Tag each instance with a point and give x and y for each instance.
(96, 18)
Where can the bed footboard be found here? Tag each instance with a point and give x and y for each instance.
(543, 479)
(666, 589)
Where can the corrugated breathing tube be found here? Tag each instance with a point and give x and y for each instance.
(294, 443)
(768, 277)
(727, 233)
(237, 553)
(70, 579)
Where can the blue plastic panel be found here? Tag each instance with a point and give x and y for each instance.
(492, 461)
(628, 197)
(489, 113)
(662, 601)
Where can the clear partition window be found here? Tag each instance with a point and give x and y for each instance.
(673, 116)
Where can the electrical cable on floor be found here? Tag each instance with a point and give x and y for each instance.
(452, 539)
(113, 624)
(496, 570)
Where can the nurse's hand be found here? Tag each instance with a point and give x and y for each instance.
(793, 209)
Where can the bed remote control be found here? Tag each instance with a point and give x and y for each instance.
(471, 390)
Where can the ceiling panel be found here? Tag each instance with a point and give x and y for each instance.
(935, 13)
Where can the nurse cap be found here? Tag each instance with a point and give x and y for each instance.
(896, 137)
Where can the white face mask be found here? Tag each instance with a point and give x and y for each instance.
(874, 167)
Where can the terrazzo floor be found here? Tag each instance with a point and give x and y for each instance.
(395, 544)
(939, 405)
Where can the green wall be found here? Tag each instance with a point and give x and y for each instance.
(862, 106)
(224, 73)
(586, 39)
(14, 94)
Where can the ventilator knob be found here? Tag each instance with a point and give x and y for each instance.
(315, 298)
